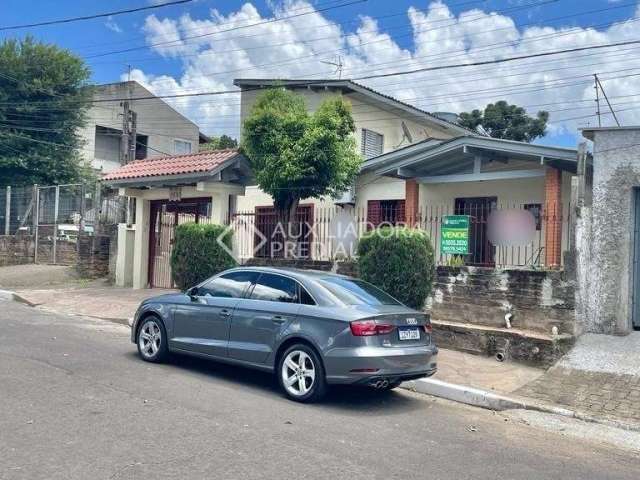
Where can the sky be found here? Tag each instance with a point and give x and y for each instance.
(204, 45)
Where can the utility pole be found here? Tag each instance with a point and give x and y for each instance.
(129, 127)
(595, 77)
(604, 94)
(124, 136)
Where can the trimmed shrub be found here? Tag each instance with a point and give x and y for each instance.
(400, 261)
(197, 255)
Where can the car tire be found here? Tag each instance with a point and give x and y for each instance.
(301, 374)
(152, 340)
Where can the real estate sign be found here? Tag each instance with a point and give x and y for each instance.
(454, 234)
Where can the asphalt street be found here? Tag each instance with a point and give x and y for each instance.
(77, 403)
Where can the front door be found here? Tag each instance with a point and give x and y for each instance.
(481, 251)
(258, 320)
(635, 309)
(202, 326)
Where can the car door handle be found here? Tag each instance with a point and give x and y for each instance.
(278, 319)
(225, 313)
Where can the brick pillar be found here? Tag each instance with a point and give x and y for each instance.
(411, 202)
(552, 216)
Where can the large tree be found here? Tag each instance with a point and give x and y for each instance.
(219, 143)
(44, 98)
(296, 154)
(511, 122)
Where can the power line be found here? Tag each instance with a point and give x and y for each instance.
(91, 17)
(239, 27)
(496, 61)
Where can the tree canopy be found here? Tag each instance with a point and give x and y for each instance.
(296, 154)
(44, 98)
(219, 143)
(511, 122)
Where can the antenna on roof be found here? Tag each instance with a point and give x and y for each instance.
(406, 134)
(337, 63)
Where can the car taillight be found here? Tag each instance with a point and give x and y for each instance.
(428, 328)
(367, 328)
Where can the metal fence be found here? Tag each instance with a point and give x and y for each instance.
(329, 233)
(56, 215)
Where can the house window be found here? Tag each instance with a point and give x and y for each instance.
(536, 210)
(372, 143)
(385, 212)
(181, 147)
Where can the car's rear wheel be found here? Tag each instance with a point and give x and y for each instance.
(301, 374)
(152, 340)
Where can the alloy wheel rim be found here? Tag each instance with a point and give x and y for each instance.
(150, 339)
(298, 373)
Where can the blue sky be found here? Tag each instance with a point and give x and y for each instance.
(169, 70)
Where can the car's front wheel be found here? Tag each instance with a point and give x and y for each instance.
(152, 340)
(301, 374)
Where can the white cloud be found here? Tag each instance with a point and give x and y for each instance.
(297, 46)
(112, 25)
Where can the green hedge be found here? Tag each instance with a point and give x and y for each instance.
(197, 255)
(400, 261)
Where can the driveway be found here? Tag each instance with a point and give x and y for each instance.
(77, 403)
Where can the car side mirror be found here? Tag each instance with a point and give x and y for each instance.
(192, 292)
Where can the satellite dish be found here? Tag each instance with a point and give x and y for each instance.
(407, 133)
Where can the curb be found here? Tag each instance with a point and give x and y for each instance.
(8, 295)
(492, 401)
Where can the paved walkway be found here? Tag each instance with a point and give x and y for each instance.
(601, 376)
(94, 300)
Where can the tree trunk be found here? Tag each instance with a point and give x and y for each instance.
(287, 216)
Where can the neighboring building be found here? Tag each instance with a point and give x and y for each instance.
(198, 187)
(608, 234)
(161, 130)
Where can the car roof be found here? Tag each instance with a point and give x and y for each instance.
(298, 273)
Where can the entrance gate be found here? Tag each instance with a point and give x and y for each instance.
(165, 216)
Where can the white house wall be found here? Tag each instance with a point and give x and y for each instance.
(156, 119)
(366, 115)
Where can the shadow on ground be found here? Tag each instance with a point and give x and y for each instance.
(339, 398)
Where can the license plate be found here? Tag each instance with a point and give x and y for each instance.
(409, 334)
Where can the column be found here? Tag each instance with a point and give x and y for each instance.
(141, 244)
(411, 194)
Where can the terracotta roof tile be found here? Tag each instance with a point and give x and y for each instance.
(173, 165)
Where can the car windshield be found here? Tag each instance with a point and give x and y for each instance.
(357, 292)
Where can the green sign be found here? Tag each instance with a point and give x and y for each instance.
(454, 235)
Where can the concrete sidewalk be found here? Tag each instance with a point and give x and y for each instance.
(96, 300)
(600, 376)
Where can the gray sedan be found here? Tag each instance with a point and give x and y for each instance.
(310, 328)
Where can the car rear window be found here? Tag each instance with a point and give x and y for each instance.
(357, 292)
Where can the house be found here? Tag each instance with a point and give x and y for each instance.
(160, 129)
(170, 190)
(420, 167)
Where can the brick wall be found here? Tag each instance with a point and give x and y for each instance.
(16, 249)
(92, 259)
(537, 299)
(553, 215)
(411, 201)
